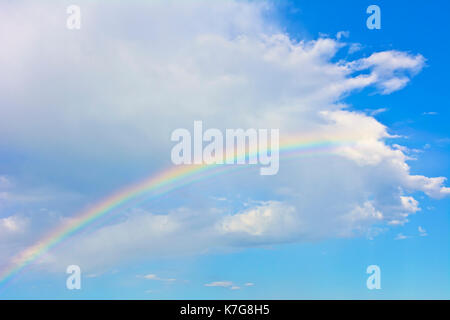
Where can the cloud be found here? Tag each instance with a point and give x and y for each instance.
(433, 187)
(377, 111)
(14, 231)
(360, 219)
(400, 236)
(390, 69)
(342, 34)
(262, 220)
(155, 277)
(354, 47)
(102, 102)
(422, 231)
(406, 150)
(410, 204)
(139, 234)
(12, 225)
(224, 284)
(4, 182)
(430, 113)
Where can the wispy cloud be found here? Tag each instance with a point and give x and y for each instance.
(342, 34)
(228, 284)
(374, 112)
(422, 231)
(224, 284)
(401, 236)
(4, 182)
(157, 278)
(354, 47)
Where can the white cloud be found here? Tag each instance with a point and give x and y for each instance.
(155, 277)
(354, 47)
(342, 34)
(433, 187)
(390, 69)
(12, 225)
(118, 88)
(225, 284)
(360, 219)
(422, 231)
(400, 236)
(406, 151)
(377, 111)
(14, 230)
(4, 182)
(265, 219)
(410, 204)
(430, 113)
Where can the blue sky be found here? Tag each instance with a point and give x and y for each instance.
(101, 102)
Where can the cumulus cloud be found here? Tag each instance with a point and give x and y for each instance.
(12, 225)
(433, 187)
(102, 102)
(264, 220)
(342, 34)
(390, 69)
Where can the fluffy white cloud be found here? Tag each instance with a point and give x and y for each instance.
(270, 218)
(388, 68)
(12, 225)
(101, 103)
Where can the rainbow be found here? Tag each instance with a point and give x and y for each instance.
(160, 183)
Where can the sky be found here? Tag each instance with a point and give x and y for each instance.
(87, 113)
